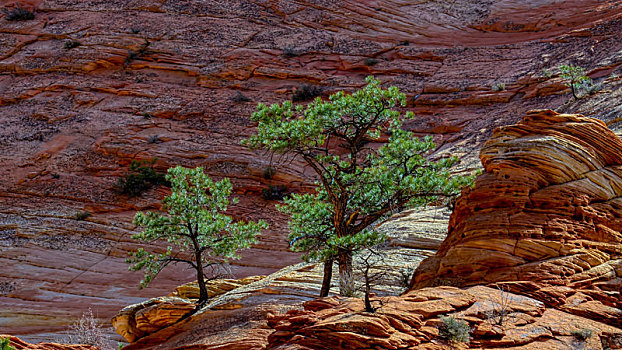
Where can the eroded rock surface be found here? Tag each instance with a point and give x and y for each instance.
(546, 215)
(412, 320)
(19, 344)
(177, 80)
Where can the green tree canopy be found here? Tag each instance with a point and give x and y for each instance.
(367, 167)
(197, 230)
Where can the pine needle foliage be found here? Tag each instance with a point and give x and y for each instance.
(194, 225)
(362, 176)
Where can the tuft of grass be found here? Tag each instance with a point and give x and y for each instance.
(454, 330)
(83, 215)
(498, 87)
(71, 44)
(370, 61)
(582, 334)
(140, 178)
(306, 92)
(18, 13)
(274, 192)
(134, 30)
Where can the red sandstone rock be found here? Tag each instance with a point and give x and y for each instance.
(73, 119)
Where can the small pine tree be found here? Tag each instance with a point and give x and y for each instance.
(194, 224)
(5, 344)
(360, 179)
(575, 77)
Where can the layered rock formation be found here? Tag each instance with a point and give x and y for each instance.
(237, 318)
(88, 86)
(546, 216)
(541, 226)
(19, 344)
(412, 321)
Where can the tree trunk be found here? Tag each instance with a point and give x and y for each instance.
(328, 276)
(203, 297)
(368, 307)
(346, 279)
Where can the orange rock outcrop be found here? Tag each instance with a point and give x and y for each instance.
(545, 216)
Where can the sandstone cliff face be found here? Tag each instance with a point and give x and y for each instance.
(173, 80)
(545, 215)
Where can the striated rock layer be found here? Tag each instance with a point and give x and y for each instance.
(545, 217)
(88, 86)
(19, 344)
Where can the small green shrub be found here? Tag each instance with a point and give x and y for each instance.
(454, 330)
(147, 115)
(498, 87)
(575, 78)
(140, 178)
(5, 344)
(81, 216)
(18, 13)
(582, 334)
(134, 30)
(71, 44)
(370, 61)
(306, 92)
(274, 192)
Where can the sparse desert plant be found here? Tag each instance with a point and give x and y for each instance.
(240, 98)
(274, 192)
(371, 260)
(370, 61)
(500, 306)
(268, 173)
(574, 77)
(290, 51)
(454, 330)
(406, 274)
(83, 215)
(547, 73)
(154, 139)
(70, 44)
(18, 13)
(140, 177)
(582, 334)
(132, 55)
(5, 344)
(498, 87)
(198, 232)
(306, 92)
(87, 331)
